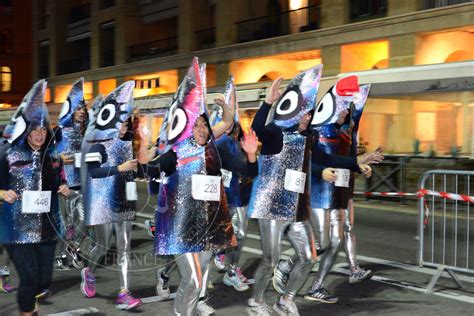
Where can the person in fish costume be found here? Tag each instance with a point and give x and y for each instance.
(72, 122)
(229, 145)
(280, 193)
(6, 285)
(31, 180)
(109, 189)
(329, 201)
(323, 174)
(189, 224)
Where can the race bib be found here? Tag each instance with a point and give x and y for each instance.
(226, 177)
(36, 202)
(294, 181)
(206, 188)
(77, 160)
(131, 191)
(343, 176)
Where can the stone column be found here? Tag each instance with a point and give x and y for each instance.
(334, 13)
(331, 57)
(402, 51)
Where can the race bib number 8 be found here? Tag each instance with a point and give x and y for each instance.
(206, 188)
(343, 176)
(226, 177)
(295, 181)
(36, 202)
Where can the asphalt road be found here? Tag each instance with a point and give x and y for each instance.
(387, 244)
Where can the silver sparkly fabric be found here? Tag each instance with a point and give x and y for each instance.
(269, 199)
(183, 224)
(25, 174)
(71, 143)
(105, 198)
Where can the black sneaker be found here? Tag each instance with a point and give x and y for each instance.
(281, 274)
(76, 256)
(321, 295)
(61, 263)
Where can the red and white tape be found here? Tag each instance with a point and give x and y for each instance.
(421, 193)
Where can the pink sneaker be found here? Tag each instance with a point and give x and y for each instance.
(241, 276)
(5, 284)
(126, 301)
(88, 283)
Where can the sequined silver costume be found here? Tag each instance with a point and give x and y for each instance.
(25, 173)
(278, 209)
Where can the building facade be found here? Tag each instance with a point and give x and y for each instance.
(15, 51)
(152, 42)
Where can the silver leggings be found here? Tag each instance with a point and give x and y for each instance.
(72, 209)
(103, 235)
(301, 237)
(331, 227)
(239, 223)
(192, 268)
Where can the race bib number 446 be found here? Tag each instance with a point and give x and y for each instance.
(206, 188)
(35, 202)
(295, 180)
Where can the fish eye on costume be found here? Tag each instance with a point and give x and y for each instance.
(324, 111)
(106, 115)
(65, 109)
(177, 123)
(289, 105)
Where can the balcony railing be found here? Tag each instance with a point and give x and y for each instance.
(288, 22)
(362, 10)
(206, 38)
(431, 4)
(80, 13)
(159, 48)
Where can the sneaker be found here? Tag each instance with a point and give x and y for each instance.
(126, 301)
(284, 307)
(162, 284)
(257, 309)
(5, 284)
(241, 276)
(204, 309)
(219, 261)
(88, 283)
(234, 281)
(281, 274)
(321, 295)
(43, 295)
(359, 275)
(70, 232)
(61, 263)
(76, 256)
(150, 228)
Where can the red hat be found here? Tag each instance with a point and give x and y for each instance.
(347, 86)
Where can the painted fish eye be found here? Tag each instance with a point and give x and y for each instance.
(65, 109)
(106, 115)
(288, 105)
(324, 110)
(20, 127)
(177, 123)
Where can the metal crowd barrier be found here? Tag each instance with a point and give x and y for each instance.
(445, 223)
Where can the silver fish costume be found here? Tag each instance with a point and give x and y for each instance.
(324, 194)
(228, 143)
(269, 198)
(184, 224)
(25, 173)
(71, 133)
(329, 204)
(100, 208)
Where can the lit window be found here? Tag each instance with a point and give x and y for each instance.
(5, 79)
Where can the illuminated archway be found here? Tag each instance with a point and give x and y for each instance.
(459, 55)
(270, 76)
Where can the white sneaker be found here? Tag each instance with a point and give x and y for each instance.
(284, 308)
(359, 275)
(219, 261)
(234, 281)
(257, 309)
(204, 309)
(162, 284)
